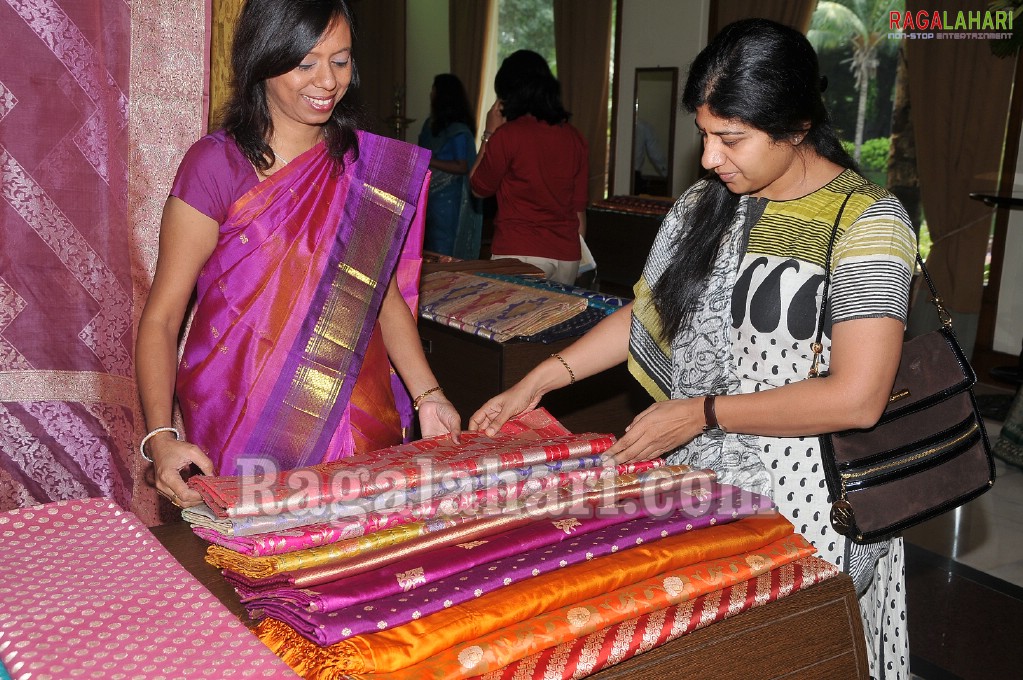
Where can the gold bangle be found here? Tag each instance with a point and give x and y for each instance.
(571, 373)
(417, 402)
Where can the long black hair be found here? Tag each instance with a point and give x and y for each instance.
(273, 37)
(525, 85)
(450, 104)
(763, 74)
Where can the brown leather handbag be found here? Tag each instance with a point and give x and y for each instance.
(929, 452)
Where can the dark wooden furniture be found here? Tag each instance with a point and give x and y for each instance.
(472, 369)
(815, 633)
(963, 623)
(619, 233)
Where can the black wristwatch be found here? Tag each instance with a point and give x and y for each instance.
(711, 428)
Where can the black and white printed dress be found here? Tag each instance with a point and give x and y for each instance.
(768, 298)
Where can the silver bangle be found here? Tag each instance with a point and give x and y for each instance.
(142, 445)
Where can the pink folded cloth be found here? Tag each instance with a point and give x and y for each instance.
(264, 535)
(87, 591)
(532, 438)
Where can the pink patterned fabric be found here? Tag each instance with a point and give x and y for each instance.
(533, 438)
(478, 495)
(624, 490)
(86, 591)
(85, 171)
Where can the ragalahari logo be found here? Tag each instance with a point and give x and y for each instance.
(945, 25)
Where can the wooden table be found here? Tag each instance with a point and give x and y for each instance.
(815, 633)
(620, 232)
(472, 369)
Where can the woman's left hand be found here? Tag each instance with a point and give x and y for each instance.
(439, 416)
(660, 428)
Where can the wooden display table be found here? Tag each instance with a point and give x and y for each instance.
(814, 633)
(620, 231)
(472, 369)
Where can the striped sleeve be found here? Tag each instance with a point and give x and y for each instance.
(874, 263)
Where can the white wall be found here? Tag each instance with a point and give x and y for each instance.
(1009, 319)
(656, 33)
(426, 55)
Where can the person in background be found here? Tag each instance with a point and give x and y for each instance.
(305, 279)
(537, 165)
(454, 217)
(721, 328)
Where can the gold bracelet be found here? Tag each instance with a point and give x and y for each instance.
(417, 402)
(571, 373)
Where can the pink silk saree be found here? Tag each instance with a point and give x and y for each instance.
(284, 361)
(87, 592)
(530, 439)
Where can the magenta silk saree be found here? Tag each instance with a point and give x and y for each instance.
(284, 359)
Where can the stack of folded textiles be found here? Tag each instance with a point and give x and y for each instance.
(492, 308)
(517, 555)
(598, 305)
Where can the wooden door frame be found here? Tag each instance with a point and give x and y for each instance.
(984, 355)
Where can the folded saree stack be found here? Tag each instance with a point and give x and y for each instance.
(492, 308)
(436, 560)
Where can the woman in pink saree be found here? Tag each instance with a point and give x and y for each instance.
(302, 240)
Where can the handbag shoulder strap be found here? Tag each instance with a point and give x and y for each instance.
(817, 347)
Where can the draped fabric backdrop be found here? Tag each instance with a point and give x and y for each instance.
(582, 41)
(98, 100)
(468, 36)
(794, 13)
(960, 95)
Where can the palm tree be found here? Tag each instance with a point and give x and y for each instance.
(863, 24)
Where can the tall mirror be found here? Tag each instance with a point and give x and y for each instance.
(653, 130)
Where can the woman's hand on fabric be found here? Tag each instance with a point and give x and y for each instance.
(498, 410)
(662, 427)
(438, 416)
(170, 457)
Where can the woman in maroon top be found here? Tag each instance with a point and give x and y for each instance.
(536, 164)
